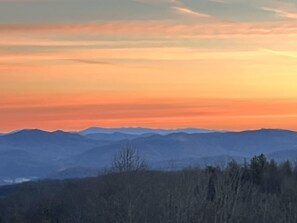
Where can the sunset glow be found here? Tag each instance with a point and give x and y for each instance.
(166, 63)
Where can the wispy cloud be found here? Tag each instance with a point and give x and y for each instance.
(282, 53)
(177, 6)
(220, 1)
(281, 12)
(187, 11)
(85, 61)
(212, 28)
(171, 2)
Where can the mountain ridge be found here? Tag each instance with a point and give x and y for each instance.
(141, 130)
(45, 153)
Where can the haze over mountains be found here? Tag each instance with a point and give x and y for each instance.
(140, 131)
(32, 154)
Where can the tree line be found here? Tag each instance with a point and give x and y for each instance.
(257, 191)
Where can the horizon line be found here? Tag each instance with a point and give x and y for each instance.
(141, 127)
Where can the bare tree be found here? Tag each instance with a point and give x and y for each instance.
(127, 160)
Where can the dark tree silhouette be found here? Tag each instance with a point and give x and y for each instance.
(128, 159)
(257, 166)
(259, 191)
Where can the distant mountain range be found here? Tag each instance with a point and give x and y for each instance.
(117, 136)
(33, 154)
(141, 131)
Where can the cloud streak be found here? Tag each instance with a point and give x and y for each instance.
(187, 11)
(290, 54)
(281, 12)
(211, 28)
(85, 61)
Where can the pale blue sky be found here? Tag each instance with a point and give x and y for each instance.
(38, 11)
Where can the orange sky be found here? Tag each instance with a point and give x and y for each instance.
(192, 70)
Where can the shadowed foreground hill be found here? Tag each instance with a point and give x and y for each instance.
(259, 192)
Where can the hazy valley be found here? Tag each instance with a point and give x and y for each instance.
(33, 154)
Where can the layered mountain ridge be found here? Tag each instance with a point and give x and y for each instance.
(33, 154)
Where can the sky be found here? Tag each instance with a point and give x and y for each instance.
(218, 64)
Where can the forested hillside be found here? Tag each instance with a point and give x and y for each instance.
(259, 191)
(36, 154)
